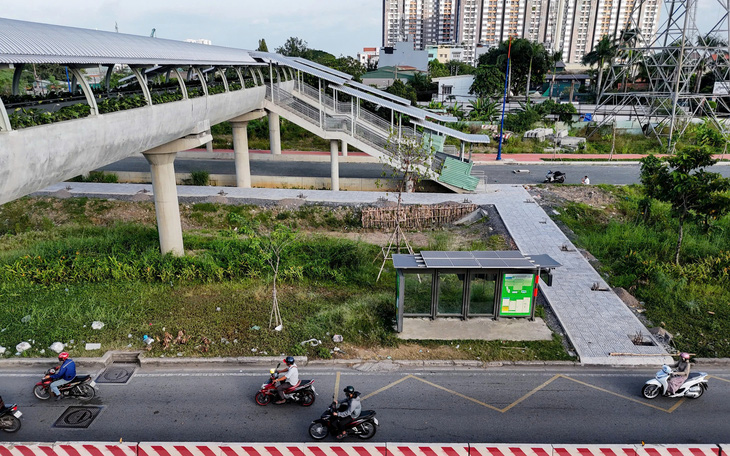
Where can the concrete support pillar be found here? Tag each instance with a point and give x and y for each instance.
(335, 166)
(240, 154)
(166, 206)
(164, 186)
(209, 146)
(274, 134)
(344, 148)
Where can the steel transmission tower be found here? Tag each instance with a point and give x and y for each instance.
(657, 80)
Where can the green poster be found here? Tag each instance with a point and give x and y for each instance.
(517, 293)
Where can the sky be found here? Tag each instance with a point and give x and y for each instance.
(340, 27)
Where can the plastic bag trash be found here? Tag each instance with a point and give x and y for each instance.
(2, 350)
(337, 338)
(57, 347)
(93, 346)
(147, 339)
(279, 328)
(312, 342)
(217, 309)
(255, 328)
(97, 325)
(25, 319)
(21, 347)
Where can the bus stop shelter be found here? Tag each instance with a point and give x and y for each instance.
(469, 284)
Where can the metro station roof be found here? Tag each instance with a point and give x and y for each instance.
(31, 42)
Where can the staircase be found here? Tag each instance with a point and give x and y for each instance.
(363, 129)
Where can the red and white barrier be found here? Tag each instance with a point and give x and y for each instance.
(352, 449)
(594, 450)
(678, 450)
(69, 449)
(485, 449)
(416, 449)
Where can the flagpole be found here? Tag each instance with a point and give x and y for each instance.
(504, 101)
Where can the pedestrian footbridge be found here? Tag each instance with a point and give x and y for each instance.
(177, 91)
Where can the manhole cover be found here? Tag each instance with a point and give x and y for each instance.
(116, 373)
(77, 417)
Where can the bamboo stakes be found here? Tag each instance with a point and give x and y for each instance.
(415, 216)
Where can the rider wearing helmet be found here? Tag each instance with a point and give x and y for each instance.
(680, 373)
(287, 381)
(64, 374)
(350, 410)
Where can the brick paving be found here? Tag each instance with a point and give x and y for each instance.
(597, 323)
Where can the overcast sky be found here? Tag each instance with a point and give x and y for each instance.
(341, 27)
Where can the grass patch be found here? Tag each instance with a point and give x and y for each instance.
(690, 299)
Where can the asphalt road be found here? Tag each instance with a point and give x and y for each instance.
(504, 173)
(559, 404)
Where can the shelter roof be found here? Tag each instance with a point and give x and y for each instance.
(466, 137)
(484, 259)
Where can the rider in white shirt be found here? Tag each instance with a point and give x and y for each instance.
(291, 378)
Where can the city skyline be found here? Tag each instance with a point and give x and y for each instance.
(336, 26)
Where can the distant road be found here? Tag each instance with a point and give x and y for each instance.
(504, 173)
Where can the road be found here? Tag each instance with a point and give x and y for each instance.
(524, 404)
(602, 173)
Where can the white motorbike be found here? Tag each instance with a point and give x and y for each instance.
(693, 387)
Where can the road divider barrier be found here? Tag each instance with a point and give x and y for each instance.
(351, 449)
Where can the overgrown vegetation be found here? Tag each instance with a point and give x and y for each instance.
(69, 262)
(638, 253)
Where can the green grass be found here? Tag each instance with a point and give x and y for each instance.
(690, 299)
(63, 270)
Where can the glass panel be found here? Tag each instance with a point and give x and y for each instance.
(417, 299)
(481, 299)
(451, 293)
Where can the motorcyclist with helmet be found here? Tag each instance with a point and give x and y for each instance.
(63, 374)
(350, 410)
(287, 381)
(679, 374)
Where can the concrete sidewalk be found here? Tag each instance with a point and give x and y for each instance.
(477, 158)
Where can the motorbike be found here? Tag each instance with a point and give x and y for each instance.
(303, 393)
(554, 177)
(9, 417)
(364, 426)
(82, 386)
(693, 387)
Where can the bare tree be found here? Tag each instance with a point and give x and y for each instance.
(272, 247)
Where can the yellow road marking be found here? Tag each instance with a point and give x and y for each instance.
(670, 410)
(458, 394)
(718, 378)
(386, 386)
(531, 393)
(337, 386)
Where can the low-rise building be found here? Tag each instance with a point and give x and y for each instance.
(455, 88)
(384, 76)
(369, 56)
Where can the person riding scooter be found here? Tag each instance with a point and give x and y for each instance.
(64, 374)
(351, 409)
(679, 374)
(287, 381)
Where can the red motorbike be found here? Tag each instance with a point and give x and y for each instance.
(82, 386)
(303, 393)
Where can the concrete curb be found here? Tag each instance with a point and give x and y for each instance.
(250, 361)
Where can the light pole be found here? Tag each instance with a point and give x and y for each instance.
(504, 101)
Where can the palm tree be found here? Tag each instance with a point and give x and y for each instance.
(604, 51)
(483, 109)
(556, 57)
(534, 49)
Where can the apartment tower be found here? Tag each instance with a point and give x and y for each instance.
(573, 26)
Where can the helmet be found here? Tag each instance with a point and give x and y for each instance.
(63, 356)
(684, 355)
(289, 360)
(349, 389)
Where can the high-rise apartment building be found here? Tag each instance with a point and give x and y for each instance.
(573, 26)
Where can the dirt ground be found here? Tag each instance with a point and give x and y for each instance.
(559, 195)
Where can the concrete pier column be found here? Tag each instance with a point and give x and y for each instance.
(335, 166)
(240, 154)
(209, 147)
(240, 146)
(274, 134)
(167, 210)
(344, 148)
(164, 186)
